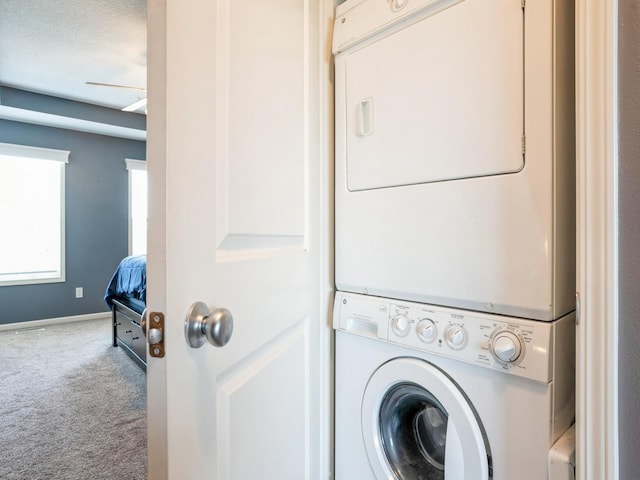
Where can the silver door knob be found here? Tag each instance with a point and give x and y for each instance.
(201, 325)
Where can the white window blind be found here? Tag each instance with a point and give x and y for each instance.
(137, 206)
(31, 214)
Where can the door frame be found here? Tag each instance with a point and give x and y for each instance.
(597, 234)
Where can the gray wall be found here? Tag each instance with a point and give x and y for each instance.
(629, 239)
(96, 207)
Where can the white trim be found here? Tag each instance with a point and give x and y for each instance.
(132, 164)
(54, 321)
(69, 123)
(63, 224)
(597, 251)
(38, 153)
(36, 279)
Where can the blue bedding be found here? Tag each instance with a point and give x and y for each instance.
(129, 280)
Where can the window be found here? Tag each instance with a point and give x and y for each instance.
(31, 214)
(137, 206)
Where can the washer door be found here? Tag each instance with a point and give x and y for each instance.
(417, 424)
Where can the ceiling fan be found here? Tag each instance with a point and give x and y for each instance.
(129, 108)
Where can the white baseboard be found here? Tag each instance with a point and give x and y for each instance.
(53, 321)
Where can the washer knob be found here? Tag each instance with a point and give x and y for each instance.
(456, 337)
(506, 346)
(426, 330)
(400, 325)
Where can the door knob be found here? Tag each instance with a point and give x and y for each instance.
(201, 324)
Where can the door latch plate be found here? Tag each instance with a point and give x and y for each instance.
(156, 334)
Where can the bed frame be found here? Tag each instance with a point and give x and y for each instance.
(127, 331)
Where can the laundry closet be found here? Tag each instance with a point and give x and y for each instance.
(454, 239)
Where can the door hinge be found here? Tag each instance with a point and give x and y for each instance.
(153, 329)
(524, 145)
(523, 3)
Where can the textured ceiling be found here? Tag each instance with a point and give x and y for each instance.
(55, 46)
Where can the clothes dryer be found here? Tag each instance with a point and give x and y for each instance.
(455, 153)
(431, 393)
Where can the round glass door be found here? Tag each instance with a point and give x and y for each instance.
(418, 425)
(413, 425)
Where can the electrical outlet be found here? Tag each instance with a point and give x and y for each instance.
(79, 292)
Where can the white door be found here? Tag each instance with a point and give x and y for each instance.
(244, 149)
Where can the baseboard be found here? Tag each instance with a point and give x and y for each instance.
(54, 321)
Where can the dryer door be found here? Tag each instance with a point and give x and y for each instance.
(417, 424)
(439, 100)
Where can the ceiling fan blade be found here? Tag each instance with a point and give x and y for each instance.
(135, 105)
(114, 85)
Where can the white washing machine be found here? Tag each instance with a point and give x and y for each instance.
(455, 153)
(432, 393)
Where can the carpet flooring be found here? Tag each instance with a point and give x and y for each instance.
(72, 407)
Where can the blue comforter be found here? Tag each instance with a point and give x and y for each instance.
(129, 280)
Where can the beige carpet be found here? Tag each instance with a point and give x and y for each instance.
(72, 407)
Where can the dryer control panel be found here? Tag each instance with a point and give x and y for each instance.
(513, 345)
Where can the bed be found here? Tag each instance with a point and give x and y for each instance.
(126, 296)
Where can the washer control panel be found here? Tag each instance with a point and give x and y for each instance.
(513, 345)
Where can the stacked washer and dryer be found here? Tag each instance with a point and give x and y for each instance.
(455, 238)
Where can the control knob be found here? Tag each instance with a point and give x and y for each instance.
(400, 325)
(506, 346)
(426, 330)
(456, 337)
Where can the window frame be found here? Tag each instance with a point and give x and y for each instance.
(43, 154)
